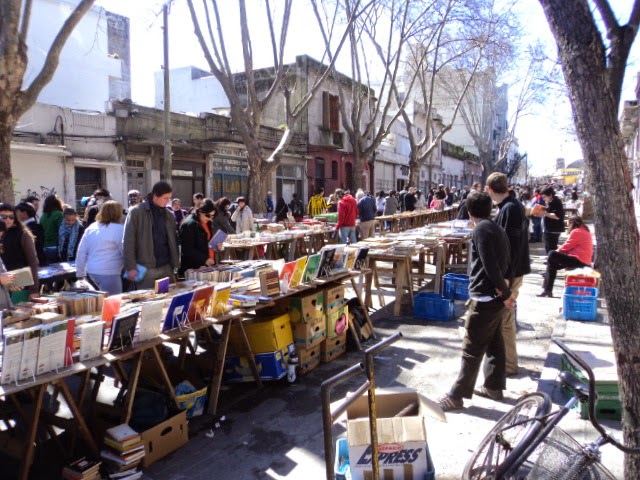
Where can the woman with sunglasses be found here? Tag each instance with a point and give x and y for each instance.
(195, 233)
(19, 250)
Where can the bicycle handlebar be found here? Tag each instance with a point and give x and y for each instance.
(592, 399)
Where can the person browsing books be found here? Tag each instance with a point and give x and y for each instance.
(195, 233)
(150, 238)
(100, 255)
(5, 278)
(243, 216)
(19, 250)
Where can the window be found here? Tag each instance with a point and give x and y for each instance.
(319, 173)
(330, 112)
(348, 173)
(334, 170)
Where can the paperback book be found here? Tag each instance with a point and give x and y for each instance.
(150, 320)
(177, 311)
(11, 355)
(51, 350)
(311, 269)
(220, 302)
(29, 357)
(201, 304)
(122, 330)
(91, 338)
(298, 272)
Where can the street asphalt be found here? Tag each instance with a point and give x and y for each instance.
(276, 432)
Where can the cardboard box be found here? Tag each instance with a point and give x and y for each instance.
(306, 355)
(332, 343)
(313, 362)
(193, 403)
(164, 438)
(326, 357)
(402, 440)
(333, 298)
(265, 335)
(308, 335)
(307, 307)
(271, 366)
(338, 321)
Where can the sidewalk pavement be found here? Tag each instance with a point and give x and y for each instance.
(276, 433)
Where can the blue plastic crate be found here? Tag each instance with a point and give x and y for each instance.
(580, 303)
(432, 306)
(455, 286)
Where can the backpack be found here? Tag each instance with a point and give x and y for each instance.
(297, 209)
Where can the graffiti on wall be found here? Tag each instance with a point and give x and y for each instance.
(40, 194)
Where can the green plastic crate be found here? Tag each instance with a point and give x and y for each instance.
(608, 406)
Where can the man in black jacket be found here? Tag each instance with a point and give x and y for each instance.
(513, 220)
(27, 215)
(490, 298)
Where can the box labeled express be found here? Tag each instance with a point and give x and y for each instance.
(265, 334)
(402, 440)
(164, 438)
(333, 298)
(307, 307)
(271, 366)
(310, 334)
(338, 321)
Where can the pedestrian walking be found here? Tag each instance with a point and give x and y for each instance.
(552, 219)
(366, 214)
(490, 297)
(268, 202)
(347, 214)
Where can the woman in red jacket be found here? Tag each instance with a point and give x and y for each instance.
(576, 252)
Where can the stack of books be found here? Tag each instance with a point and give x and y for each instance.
(124, 449)
(82, 469)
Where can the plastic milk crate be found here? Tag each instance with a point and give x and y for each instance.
(432, 306)
(580, 303)
(455, 286)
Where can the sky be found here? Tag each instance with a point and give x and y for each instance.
(545, 134)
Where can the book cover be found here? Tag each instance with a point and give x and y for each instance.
(121, 447)
(326, 261)
(201, 304)
(29, 357)
(360, 258)
(287, 272)
(150, 320)
(350, 255)
(218, 238)
(122, 330)
(24, 278)
(537, 208)
(298, 272)
(11, 355)
(53, 340)
(84, 466)
(110, 308)
(162, 285)
(338, 261)
(123, 433)
(177, 312)
(269, 283)
(311, 269)
(91, 340)
(69, 349)
(220, 302)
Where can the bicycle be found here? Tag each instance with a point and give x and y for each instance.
(526, 443)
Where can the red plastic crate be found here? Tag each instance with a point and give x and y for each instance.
(581, 281)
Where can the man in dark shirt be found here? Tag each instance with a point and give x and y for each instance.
(150, 238)
(27, 214)
(490, 297)
(513, 220)
(552, 219)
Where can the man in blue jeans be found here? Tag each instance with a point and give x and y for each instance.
(347, 214)
(489, 301)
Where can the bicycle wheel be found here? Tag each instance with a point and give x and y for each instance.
(508, 438)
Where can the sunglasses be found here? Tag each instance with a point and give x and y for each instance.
(208, 215)
(7, 217)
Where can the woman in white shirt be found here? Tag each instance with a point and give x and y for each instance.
(100, 254)
(243, 216)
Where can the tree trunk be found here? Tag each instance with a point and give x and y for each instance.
(6, 175)
(358, 168)
(414, 169)
(583, 59)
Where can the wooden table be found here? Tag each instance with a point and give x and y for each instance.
(401, 273)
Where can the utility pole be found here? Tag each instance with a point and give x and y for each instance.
(166, 170)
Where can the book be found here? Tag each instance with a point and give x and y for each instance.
(51, 350)
(338, 261)
(219, 237)
(123, 434)
(162, 285)
(82, 468)
(326, 260)
(296, 279)
(29, 356)
(269, 283)
(287, 272)
(24, 278)
(122, 330)
(125, 449)
(11, 355)
(220, 301)
(119, 460)
(91, 340)
(537, 208)
(350, 255)
(69, 348)
(177, 312)
(150, 320)
(311, 269)
(201, 304)
(360, 258)
(110, 308)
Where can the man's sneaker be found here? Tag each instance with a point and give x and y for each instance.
(489, 393)
(448, 403)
